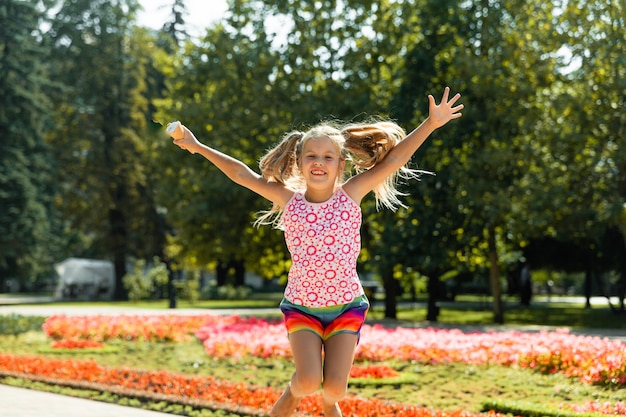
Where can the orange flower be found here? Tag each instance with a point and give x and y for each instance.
(228, 395)
(76, 344)
(373, 371)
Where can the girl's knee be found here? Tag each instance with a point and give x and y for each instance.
(305, 384)
(334, 391)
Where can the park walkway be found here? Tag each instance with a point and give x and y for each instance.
(22, 402)
(34, 306)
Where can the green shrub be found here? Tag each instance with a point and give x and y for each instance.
(226, 292)
(141, 284)
(15, 324)
(189, 289)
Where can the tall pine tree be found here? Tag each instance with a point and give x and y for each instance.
(26, 193)
(101, 122)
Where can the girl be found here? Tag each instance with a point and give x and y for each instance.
(324, 305)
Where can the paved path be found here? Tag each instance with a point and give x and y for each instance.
(80, 310)
(23, 402)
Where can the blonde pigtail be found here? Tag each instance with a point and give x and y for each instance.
(280, 165)
(368, 144)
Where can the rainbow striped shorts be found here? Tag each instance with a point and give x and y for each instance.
(326, 321)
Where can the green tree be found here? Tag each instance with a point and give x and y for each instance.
(419, 237)
(240, 89)
(600, 32)
(28, 221)
(508, 61)
(157, 61)
(581, 166)
(210, 90)
(101, 130)
(175, 28)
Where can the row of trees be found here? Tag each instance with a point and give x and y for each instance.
(533, 169)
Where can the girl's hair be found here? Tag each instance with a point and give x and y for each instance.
(362, 146)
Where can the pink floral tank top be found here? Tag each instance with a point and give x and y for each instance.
(324, 240)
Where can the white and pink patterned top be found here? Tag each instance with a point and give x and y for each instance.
(324, 240)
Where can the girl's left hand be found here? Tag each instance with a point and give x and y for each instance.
(442, 113)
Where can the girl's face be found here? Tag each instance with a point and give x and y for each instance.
(321, 163)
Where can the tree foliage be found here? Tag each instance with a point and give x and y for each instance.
(101, 110)
(532, 169)
(28, 221)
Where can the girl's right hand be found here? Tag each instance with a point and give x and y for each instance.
(188, 141)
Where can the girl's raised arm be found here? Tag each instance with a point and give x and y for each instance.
(439, 114)
(236, 170)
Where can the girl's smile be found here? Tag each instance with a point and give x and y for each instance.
(321, 165)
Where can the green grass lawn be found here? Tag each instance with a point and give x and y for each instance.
(555, 314)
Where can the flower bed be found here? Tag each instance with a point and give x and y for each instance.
(101, 328)
(616, 409)
(76, 344)
(194, 390)
(591, 359)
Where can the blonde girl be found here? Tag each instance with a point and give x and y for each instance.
(324, 305)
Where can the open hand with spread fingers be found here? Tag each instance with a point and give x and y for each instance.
(442, 113)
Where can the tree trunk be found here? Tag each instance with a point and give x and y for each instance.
(434, 285)
(588, 286)
(171, 285)
(621, 286)
(391, 293)
(494, 277)
(239, 267)
(118, 245)
(221, 273)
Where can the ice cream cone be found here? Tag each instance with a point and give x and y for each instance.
(175, 130)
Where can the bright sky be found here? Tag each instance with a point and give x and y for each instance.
(200, 13)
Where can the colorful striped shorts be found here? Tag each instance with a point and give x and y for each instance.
(326, 321)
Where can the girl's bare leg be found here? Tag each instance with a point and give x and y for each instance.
(339, 355)
(307, 354)
(285, 405)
